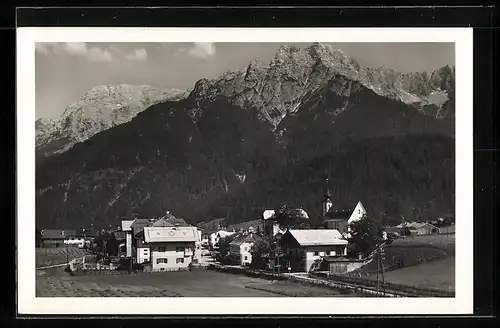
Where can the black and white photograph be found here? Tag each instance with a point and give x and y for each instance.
(331, 167)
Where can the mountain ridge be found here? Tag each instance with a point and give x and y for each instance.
(101, 108)
(277, 88)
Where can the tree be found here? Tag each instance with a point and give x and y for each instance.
(224, 249)
(262, 253)
(366, 234)
(289, 218)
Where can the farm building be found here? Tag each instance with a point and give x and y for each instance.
(60, 238)
(420, 228)
(171, 248)
(305, 247)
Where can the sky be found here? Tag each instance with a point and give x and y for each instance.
(64, 72)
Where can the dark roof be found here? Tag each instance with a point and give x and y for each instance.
(251, 237)
(173, 220)
(338, 215)
(139, 224)
(393, 230)
(57, 233)
(245, 225)
(120, 235)
(163, 223)
(211, 225)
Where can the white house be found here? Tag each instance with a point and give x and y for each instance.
(305, 247)
(127, 227)
(239, 248)
(172, 248)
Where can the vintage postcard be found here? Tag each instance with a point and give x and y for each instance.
(244, 171)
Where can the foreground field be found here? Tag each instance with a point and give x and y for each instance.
(436, 274)
(197, 283)
(54, 256)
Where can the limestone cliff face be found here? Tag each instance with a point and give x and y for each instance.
(295, 74)
(103, 107)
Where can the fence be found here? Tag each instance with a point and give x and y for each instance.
(100, 272)
(248, 272)
(398, 288)
(340, 286)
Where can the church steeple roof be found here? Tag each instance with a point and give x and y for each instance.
(328, 194)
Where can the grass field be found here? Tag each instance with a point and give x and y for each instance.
(445, 242)
(197, 283)
(436, 274)
(411, 251)
(54, 256)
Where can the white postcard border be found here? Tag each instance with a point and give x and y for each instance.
(29, 304)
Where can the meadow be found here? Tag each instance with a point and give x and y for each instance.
(411, 251)
(57, 255)
(435, 274)
(197, 283)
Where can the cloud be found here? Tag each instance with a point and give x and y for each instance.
(134, 54)
(99, 55)
(44, 47)
(80, 49)
(76, 48)
(201, 50)
(137, 54)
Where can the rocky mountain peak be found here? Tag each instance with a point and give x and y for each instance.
(101, 108)
(294, 74)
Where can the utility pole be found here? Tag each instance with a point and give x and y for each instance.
(382, 258)
(378, 267)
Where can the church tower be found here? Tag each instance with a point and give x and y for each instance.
(327, 202)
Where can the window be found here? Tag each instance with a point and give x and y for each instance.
(332, 253)
(161, 260)
(246, 249)
(316, 253)
(161, 249)
(246, 258)
(179, 260)
(179, 249)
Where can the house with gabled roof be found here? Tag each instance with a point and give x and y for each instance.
(171, 248)
(239, 247)
(303, 248)
(59, 238)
